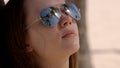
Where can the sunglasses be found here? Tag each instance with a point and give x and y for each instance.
(51, 15)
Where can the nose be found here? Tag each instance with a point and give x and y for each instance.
(65, 20)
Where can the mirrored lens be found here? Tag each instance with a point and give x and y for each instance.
(50, 16)
(72, 10)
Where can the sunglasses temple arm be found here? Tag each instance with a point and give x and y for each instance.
(32, 23)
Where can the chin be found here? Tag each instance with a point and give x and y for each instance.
(72, 46)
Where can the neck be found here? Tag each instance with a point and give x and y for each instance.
(60, 63)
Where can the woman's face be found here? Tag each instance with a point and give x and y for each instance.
(58, 41)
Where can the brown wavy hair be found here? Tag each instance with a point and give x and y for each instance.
(14, 38)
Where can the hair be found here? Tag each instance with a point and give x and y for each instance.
(13, 36)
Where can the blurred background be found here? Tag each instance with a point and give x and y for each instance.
(99, 33)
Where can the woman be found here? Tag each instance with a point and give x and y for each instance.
(41, 34)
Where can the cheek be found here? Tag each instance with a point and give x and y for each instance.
(36, 41)
(45, 42)
(52, 41)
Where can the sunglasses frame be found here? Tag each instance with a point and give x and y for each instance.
(40, 18)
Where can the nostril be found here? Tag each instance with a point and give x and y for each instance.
(70, 22)
(67, 23)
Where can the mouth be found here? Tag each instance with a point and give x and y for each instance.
(69, 34)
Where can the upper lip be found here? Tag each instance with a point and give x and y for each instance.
(68, 32)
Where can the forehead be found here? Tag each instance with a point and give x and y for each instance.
(41, 4)
(51, 2)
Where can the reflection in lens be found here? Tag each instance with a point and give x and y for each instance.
(50, 16)
(72, 10)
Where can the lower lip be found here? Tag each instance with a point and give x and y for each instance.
(69, 35)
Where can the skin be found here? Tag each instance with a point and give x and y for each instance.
(50, 48)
